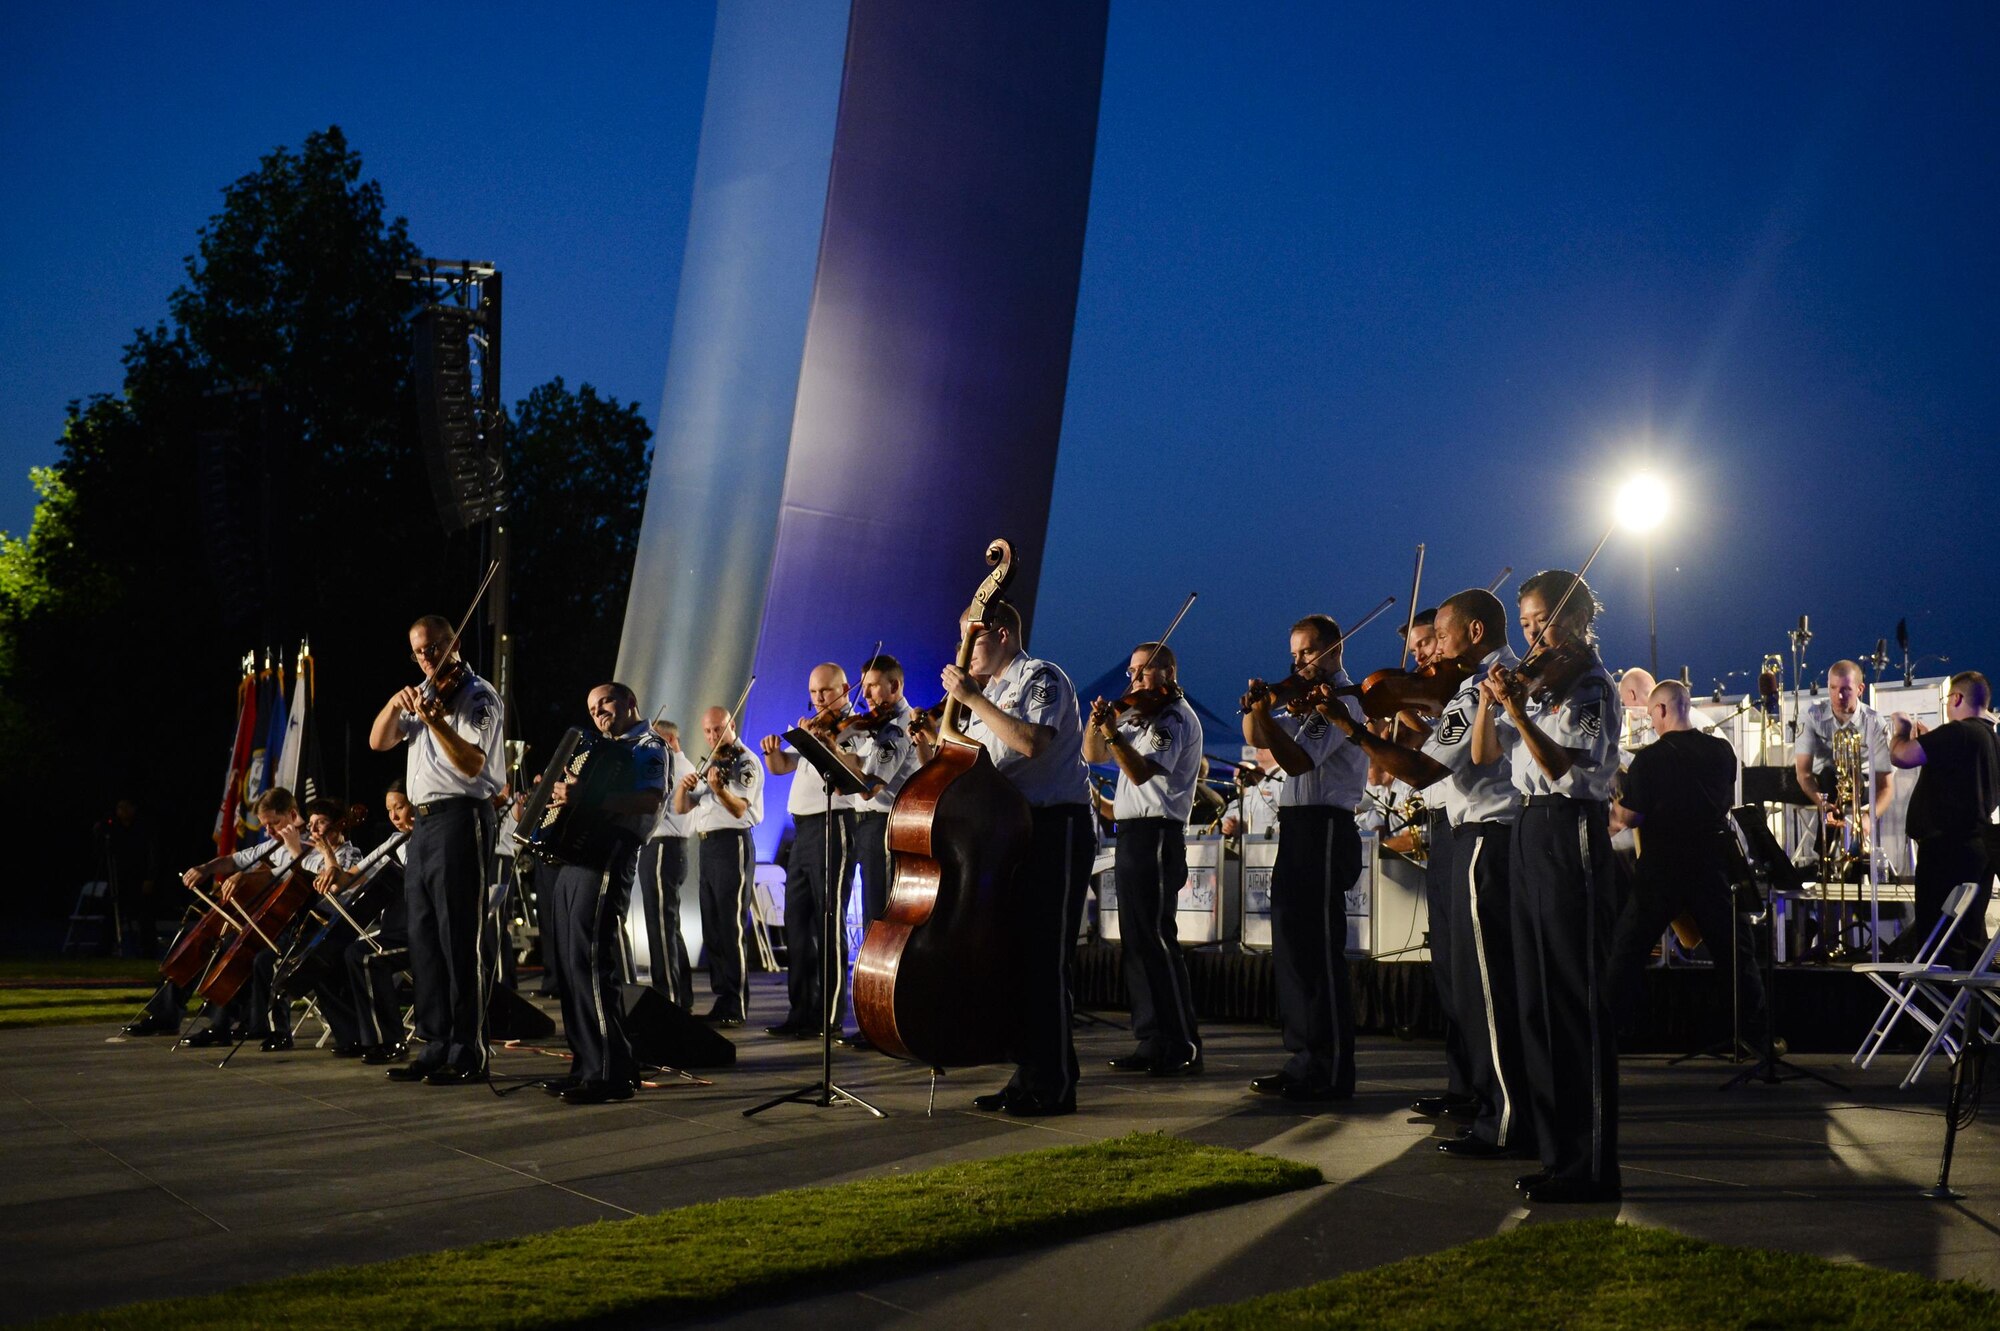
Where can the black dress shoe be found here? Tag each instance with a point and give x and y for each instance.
(413, 1071)
(150, 1026)
(1436, 1106)
(1034, 1106)
(995, 1101)
(557, 1085)
(207, 1038)
(276, 1044)
(786, 1030)
(377, 1055)
(1177, 1067)
(858, 1042)
(352, 1049)
(721, 1016)
(1142, 1063)
(455, 1076)
(1470, 1147)
(1314, 1092)
(1566, 1192)
(597, 1092)
(1274, 1084)
(1534, 1180)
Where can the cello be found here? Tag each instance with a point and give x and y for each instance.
(934, 981)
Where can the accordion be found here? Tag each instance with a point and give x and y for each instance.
(579, 830)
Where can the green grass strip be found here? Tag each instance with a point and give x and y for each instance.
(109, 970)
(752, 1248)
(21, 1008)
(1588, 1274)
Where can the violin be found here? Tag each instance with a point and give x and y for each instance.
(1290, 692)
(1388, 693)
(1145, 702)
(1552, 670)
(452, 671)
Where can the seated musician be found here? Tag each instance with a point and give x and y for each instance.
(727, 800)
(329, 851)
(248, 870)
(586, 911)
(372, 962)
(1023, 712)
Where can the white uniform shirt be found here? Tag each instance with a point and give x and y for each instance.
(649, 772)
(1340, 767)
(346, 855)
(1474, 793)
(475, 714)
(1256, 807)
(1171, 739)
(885, 752)
(675, 765)
(1040, 694)
(808, 793)
(277, 861)
(1816, 730)
(743, 773)
(1587, 721)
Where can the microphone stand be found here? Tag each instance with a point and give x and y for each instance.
(836, 778)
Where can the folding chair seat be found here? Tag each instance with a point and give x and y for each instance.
(1897, 979)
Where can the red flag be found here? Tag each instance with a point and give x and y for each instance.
(239, 759)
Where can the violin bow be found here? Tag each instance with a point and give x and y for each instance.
(451, 646)
(1575, 581)
(1493, 587)
(1359, 625)
(1160, 645)
(1409, 631)
(735, 719)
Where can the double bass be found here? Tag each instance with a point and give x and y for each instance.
(934, 981)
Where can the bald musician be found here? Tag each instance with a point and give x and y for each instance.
(726, 801)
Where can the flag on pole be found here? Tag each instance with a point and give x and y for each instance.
(257, 771)
(293, 747)
(224, 834)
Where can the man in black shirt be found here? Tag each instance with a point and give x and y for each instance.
(1951, 810)
(1677, 793)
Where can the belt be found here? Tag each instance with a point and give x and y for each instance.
(1552, 801)
(1150, 819)
(1315, 812)
(723, 831)
(432, 808)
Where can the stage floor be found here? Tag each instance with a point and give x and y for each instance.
(135, 1172)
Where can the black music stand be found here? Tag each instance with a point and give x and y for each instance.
(1773, 872)
(838, 780)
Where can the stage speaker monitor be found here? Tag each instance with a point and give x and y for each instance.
(666, 1037)
(512, 1017)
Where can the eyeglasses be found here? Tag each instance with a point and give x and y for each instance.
(428, 653)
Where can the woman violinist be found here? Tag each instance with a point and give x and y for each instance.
(1155, 739)
(1556, 719)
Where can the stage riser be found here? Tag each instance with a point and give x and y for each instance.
(1820, 1010)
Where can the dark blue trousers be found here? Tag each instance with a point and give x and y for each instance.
(452, 947)
(1151, 869)
(580, 927)
(1319, 858)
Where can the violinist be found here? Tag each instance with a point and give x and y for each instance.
(1556, 720)
(371, 971)
(822, 829)
(1319, 857)
(726, 799)
(247, 870)
(662, 867)
(1155, 739)
(453, 730)
(1467, 888)
(326, 854)
(1023, 711)
(583, 919)
(882, 748)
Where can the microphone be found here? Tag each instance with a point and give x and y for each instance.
(1881, 658)
(1903, 636)
(1767, 691)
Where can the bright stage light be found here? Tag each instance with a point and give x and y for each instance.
(1642, 503)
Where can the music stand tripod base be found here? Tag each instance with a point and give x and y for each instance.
(837, 779)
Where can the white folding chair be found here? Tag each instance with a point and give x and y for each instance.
(767, 912)
(1956, 1003)
(1897, 978)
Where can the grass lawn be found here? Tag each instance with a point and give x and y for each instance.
(1597, 1274)
(69, 1006)
(754, 1248)
(28, 971)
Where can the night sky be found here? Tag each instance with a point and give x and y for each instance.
(1355, 278)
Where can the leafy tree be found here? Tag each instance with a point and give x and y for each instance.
(578, 465)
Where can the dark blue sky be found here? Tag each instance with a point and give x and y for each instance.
(1355, 278)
